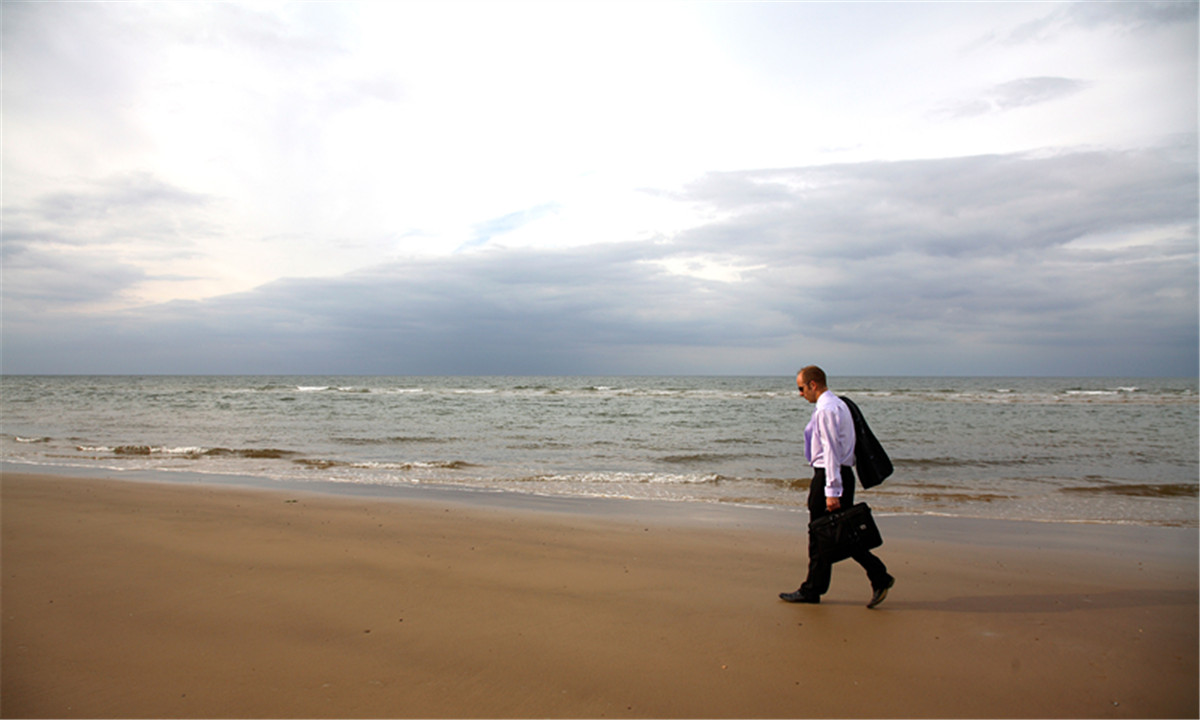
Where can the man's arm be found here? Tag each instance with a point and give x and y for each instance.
(826, 435)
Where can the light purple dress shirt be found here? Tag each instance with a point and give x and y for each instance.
(829, 440)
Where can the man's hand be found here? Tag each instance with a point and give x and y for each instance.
(832, 503)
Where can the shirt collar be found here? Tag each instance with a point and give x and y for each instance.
(826, 399)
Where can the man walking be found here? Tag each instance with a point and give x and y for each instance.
(829, 448)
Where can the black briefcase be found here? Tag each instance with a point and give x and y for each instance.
(842, 533)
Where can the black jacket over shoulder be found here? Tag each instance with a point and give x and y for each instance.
(870, 459)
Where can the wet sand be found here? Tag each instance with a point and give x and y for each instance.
(129, 599)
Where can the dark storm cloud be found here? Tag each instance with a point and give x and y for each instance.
(1011, 251)
(579, 310)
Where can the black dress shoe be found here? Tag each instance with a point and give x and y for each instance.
(799, 597)
(881, 592)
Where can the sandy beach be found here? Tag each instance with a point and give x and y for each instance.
(129, 599)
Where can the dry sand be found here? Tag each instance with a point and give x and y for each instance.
(124, 599)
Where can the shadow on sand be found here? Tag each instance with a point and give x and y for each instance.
(1056, 602)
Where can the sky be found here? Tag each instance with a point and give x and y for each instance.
(927, 188)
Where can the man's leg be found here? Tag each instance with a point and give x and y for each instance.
(876, 571)
(819, 571)
(881, 581)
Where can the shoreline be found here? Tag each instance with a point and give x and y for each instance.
(705, 512)
(173, 599)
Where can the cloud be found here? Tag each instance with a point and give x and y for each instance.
(1012, 95)
(1004, 251)
(1023, 263)
(95, 243)
(135, 194)
(1129, 17)
(579, 187)
(957, 207)
(40, 283)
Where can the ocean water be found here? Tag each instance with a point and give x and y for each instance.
(1106, 450)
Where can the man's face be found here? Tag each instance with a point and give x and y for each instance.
(808, 390)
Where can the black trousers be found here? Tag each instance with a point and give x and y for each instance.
(820, 573)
